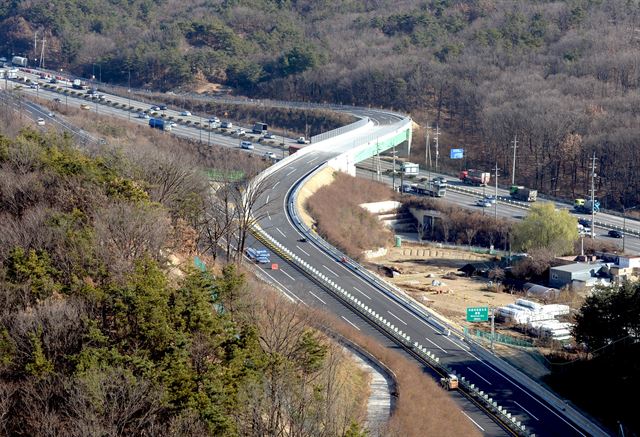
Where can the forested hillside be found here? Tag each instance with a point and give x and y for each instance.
(106, 326)
(562, 75)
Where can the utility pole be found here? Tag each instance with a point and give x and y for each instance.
(593, 193)
(496, 193)
(42, 52)
(377, 158)
(493, 326)
(437, 135)
(35, 45)
(129, 95)
(427, 149)
(513, 169)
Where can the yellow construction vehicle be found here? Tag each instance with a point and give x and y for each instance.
(450, 382)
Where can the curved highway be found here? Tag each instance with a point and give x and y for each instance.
(533, 408)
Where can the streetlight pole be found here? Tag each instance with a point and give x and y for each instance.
(593, 192)
(513, 169)
(496, 193)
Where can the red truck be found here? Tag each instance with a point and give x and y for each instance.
(475, 177)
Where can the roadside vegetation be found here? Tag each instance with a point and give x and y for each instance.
(340, 220)
(607, 333)
(560, 75)
(107, 328)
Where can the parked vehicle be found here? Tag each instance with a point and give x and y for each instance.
(475, 177)
(585, 206)
(303, 140)
(159, 123)
(247, 145)
(522, 193)
(615, 234)
(260, 128)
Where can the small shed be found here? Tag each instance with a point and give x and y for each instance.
(577, 273)
(540, 291)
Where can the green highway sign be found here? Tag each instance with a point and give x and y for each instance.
(477, 314)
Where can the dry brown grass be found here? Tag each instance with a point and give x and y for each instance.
(341, 221)
(423, 408)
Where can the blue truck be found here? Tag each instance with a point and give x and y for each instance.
(159, 123)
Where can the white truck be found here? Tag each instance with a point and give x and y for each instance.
(410, 169)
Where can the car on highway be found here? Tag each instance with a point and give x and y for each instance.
(50, 114)
(226, 125)
(53, 80)
(143, 115)
(185, 113)
(269, 136)
(303, 140)
(163, 107)
(247, 145)
(615, 234)
(214, 120)
(483, 203)
(154, 108)
(269, 155)
(57, 100)
(85, 106)
(490, 199)
(40, 122)
(584, 222)
(240, 131)
(173, 124)
(35, 86)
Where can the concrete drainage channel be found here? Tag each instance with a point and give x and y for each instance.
(385, 326)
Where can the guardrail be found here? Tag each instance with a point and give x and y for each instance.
(339, 131)
(375, 319)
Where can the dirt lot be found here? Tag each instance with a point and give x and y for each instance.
(420, 266)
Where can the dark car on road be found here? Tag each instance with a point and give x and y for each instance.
(615, 234)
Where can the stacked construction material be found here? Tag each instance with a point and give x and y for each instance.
(525, 311)
(553, 329)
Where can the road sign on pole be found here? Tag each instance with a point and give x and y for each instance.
(456, 154)
(477, 314)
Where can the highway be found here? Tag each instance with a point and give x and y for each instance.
(538, 410)
(509, 209)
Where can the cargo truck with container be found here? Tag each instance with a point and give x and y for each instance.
(585, 206)
(19, 61)
(410, 169)
(521, 193)
(437, 187)
(260, 128)
(475, 177)
(159, 123)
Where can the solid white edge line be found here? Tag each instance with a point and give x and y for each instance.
(436, 345)
(287, 274)
(267, 201)
(478, 375)
(278, 229)
(526, 411)
(275, 185)
(349, 322)
(474, 422)
(316, 296)
(282, 288)
(405, 323)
